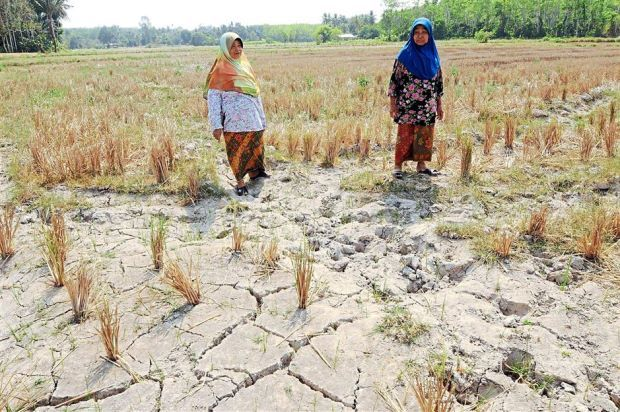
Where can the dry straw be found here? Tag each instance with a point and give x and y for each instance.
(587, 143)
(158, 240)
(182, 281)
(467, 148)
(538, 223)
(432, 393)
(80, 288)
(442, 154)
(55, 247)
(238, 238)
(303, 269)
(489, 136)
(502, 243)
(8, 227)
(193, 185)
(109, 328)
(510, 128)
(331, 149)
(591, 244)
(159, 164)
(609, 139)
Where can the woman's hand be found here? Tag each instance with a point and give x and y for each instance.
(217, 133)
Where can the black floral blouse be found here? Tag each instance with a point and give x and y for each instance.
(416, 99)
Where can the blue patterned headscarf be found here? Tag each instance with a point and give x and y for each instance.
(422, 61)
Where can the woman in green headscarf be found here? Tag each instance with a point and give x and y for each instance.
(236, 110)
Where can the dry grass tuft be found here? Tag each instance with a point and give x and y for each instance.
(614, 225)
(292, 144)
(55, 246)
(159, 164)
(510, 131)
(467, 148)
(109, 328)
(8, 227)
(270, 253)
(158, 240)
(489, 136)
(303, 269)
(587, 143)
(193, 185)
(364, 149)
(502, 243)
(442, 154)
(552, 136)
(116, 155)
(310, 142)
(238, 238)
(538, 223)
(432, 393)
(591, 244)
(331, 149)
(80, 292)
(609, 139)
(182, 281)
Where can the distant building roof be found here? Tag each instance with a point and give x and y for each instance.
(347, 36)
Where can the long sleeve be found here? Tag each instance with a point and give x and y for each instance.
(214, 100)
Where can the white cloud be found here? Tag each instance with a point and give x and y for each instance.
(193, 13)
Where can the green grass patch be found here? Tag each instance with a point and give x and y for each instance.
(398, 324)
(460, 230)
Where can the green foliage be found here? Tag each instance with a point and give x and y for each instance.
(398, 323)
(483, 36)
(326, 33)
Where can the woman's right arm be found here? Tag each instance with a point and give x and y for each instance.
(214, 100)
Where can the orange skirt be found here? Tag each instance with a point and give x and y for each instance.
(245, 152)
(414, 142)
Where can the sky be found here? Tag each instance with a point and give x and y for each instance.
(190, 14)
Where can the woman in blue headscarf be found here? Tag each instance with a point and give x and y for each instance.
(415, 92)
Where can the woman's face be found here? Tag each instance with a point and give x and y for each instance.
(236, 49)
(420, 35)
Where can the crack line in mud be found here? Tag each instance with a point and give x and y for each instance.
(315, 388)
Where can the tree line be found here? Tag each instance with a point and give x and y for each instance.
(35, 25)
(505, 18)
(31, 25)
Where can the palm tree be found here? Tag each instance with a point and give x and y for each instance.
(50, 12)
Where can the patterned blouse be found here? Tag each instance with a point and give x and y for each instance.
(235, 112)
(416, 99)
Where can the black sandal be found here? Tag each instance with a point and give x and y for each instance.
(429, 172)
(241, 191)
(398, 174)
(261, 174)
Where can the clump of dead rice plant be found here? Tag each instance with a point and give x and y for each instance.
(538, 223)
(303, 269)
(432, 392)
(182, 281)
(268, 256)
(193, 185)
(467, 148)
(614, 225)
(591, 244)
(80, 288)
(489, 136)
(609, 139)
(8, 227)
(331, 149)
(364, 149)
(502, 242)
(159, 228)
(552, 136)
(532, 145)
(292, 144)
(510, 129)
(309, 142)
(238, 238)
(116, 155)
(109, 330)
(55, 247)
(587, 143)
(442, 154)
(159, 164)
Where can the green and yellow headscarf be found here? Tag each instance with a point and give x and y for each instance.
(228, 74)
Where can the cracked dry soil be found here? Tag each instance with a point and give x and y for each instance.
(248, 347)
